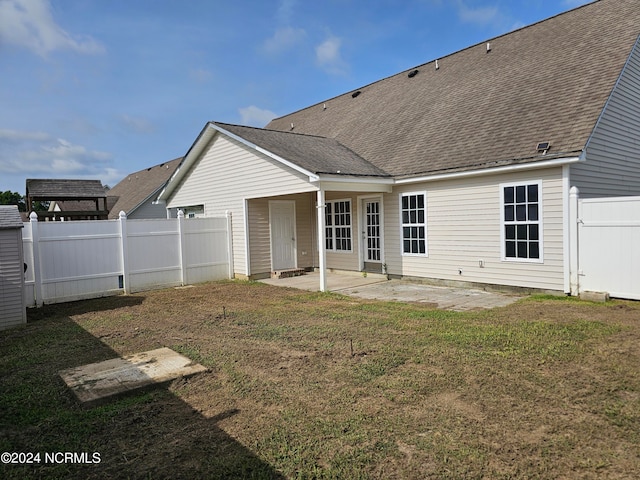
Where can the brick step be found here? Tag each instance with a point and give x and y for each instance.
(293, 272)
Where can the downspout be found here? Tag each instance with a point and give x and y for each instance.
(322, 253)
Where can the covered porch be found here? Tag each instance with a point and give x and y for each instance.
(338, 227)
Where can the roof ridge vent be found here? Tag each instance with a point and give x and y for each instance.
(355, 94)
(413, 73)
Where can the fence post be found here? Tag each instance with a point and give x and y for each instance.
(122, 218)
(574, 245)
(228, 215)
(182, 249)
(37, 277)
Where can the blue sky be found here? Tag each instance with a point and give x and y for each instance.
(102, 88)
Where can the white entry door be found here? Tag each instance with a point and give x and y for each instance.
(282, 218)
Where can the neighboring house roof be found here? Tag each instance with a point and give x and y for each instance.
(10, 217)
(139, 187)
(487, 106)
(58, 189)
(73, 206)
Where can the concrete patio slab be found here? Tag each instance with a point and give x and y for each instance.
(97, 381)
(335, 281)
(379, 288)
(446, 298)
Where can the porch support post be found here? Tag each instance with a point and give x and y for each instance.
(322, 253)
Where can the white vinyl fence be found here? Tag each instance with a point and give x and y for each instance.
(69, 261)
(608, 246)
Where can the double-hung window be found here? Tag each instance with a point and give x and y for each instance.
(338, 225)
(413, 213)
(521, 222)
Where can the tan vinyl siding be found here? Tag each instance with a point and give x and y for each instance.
(306, 227)
(239, 174)
(612, 166)
(259, 240)
(259, 232)
(463, 227)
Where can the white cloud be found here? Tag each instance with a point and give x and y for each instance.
(284, 39)
(30, 24)
(200, 75)
(328, 56)
(256, 117)
(20, 136)
(137, 124)
(37, 153)
(480, 15)
(285, 10)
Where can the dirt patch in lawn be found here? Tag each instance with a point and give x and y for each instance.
(311, 385)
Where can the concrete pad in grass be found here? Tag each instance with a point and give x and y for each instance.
(97, 381)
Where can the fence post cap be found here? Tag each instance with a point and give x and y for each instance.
(33, 216)
(122, 215)
(180, 214)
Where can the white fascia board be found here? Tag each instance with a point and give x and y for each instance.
(557, 162)
(312, 176)
(194, 152)
(344, 183)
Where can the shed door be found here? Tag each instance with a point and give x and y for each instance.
(282, 215)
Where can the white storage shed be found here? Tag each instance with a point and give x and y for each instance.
(12, 308)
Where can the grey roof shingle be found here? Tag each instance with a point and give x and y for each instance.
(315, 154)
(60, 189)
(546, 82)
(10, 217)
(138, 187)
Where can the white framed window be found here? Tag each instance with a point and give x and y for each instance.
(338, 230)
(413, 216)
(521, 221)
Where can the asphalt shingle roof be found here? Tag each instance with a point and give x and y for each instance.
(10, 217)
(546, 82)
(59, 189)
(138, 187)
(315, 154)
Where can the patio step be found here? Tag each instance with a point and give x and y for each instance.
(293, 272)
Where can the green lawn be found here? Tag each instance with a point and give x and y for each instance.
(308, 385)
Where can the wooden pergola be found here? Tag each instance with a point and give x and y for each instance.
(83, 199)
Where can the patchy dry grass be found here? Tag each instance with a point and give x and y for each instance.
(308, 385)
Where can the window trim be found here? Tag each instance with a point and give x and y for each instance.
(333, 226)
(402, 225)
(539, 222)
